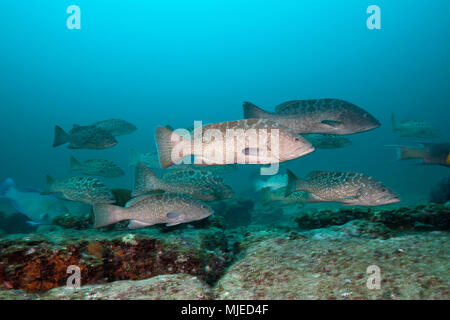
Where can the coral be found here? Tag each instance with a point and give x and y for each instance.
(95, 249)
(414, 218)
(441, 192)
(39, 262)
(74, 222)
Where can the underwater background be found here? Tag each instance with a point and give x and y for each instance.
(157, 63)
(173, 62)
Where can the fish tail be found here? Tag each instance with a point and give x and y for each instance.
(405, 153)
(267, 196)
(48, 185)
(394, 123)
(106, 214)
(6, 186)
(252, 111)
(61, 137)
(74, 163)
(293, 183)
(167, 140)
(135, 157)
(144, 180)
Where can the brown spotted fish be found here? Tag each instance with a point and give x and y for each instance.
(84, 189)
(415, 128)
(143, 211)
(349, 188)
(84, 137)
(202, 185)
(96, 167)
(329, 116)
(249, 141)
(115, 127)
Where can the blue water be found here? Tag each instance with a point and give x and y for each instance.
(172, 62)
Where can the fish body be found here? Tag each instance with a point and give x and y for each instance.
(327, 141)
(349, 188)
(270, 195)
(151, 160)
(38, 208)
(96, 167)
(202, 185)
(430, 153)
(143, 211)
(415, 129)
(246, 141)
(115, 127)
(327, 116)
(88, 190)
(84, 137)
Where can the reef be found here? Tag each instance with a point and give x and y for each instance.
(414, 218)
(299, 267)
(38, 262)
(240, 252)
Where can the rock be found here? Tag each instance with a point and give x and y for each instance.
(412, 267)
(413, 218)
(38, 262)
(167, 287)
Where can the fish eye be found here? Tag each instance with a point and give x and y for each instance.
(297, 139)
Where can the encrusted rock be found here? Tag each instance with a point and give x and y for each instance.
(412, 267)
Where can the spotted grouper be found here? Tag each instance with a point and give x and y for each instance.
(147, 210)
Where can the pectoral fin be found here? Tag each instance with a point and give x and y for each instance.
(135, 224)
(174, 218)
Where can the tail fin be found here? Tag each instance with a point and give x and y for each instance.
(106, 214)
(267, 196)
(405, 153)
(61, 137)
(144, 180)
(74, 164)
(292, 183)
(166, 141)
(48, 185)
(135, 157)
(6, 186)
(394, 123)
(251, 111)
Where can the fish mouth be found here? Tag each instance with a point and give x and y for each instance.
(389, 200)
(303, 150)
